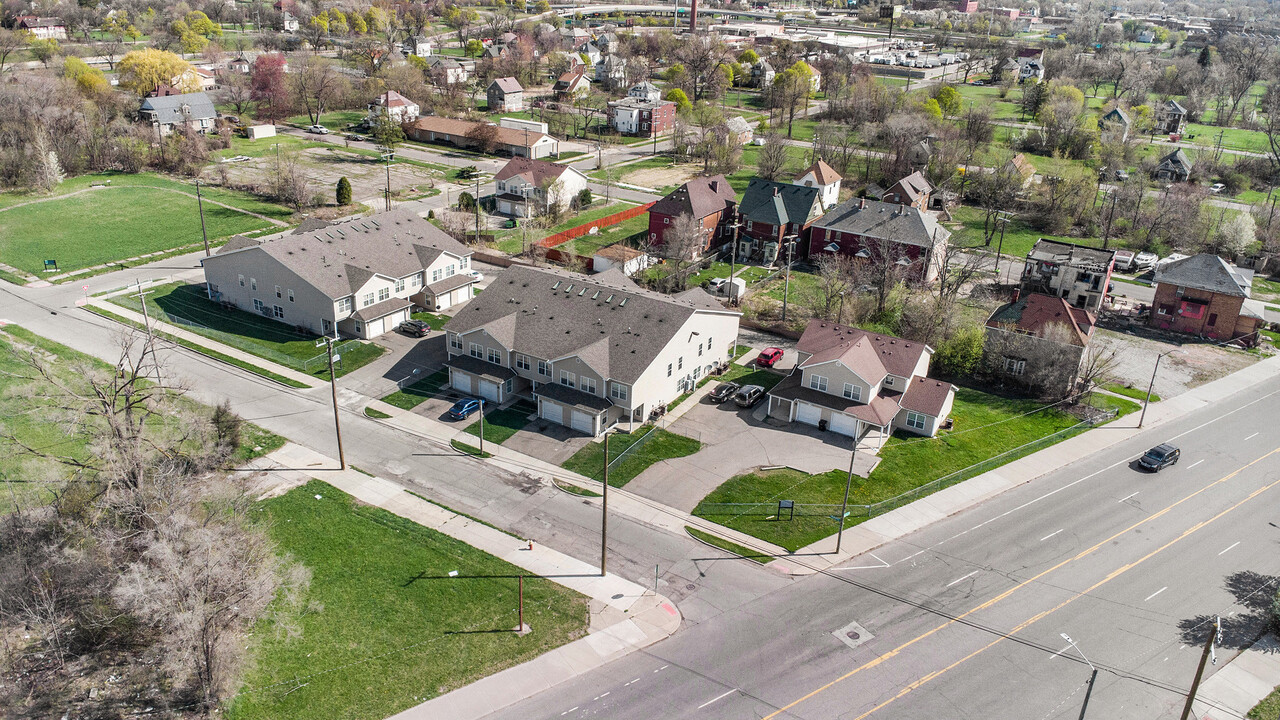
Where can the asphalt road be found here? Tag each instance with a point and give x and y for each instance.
(964, 619)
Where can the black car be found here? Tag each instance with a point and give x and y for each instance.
(414, 328)
(1160, 456)
(748, 396)
(723, 392)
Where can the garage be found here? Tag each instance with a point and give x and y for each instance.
(808, 414)
(844, 424)
(582, 422)
(551, 411)
(460, 382)
(489, 390)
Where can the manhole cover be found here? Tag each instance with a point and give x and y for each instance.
(618, 596)
(690, 586)
(853, 635)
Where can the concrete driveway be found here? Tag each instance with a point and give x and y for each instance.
(548, 441)
(734, 441)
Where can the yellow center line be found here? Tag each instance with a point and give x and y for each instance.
(1002, 596)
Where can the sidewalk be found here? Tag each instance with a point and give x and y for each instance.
(1244, 682)
(882, 529)
(625, 617)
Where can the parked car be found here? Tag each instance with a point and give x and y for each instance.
(1145, 260)
(769, 357)
(1160, 456)
(318, 130)
(979, 83)
(723, 392)
(1124, 260)
(716, 283)
(477, 275)
(414, 328)
(462, 409)
(1121, 175)
(1217, 188)
(748, 396)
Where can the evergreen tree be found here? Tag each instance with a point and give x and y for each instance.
(344, 191)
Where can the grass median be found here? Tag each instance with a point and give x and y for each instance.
(663, 445)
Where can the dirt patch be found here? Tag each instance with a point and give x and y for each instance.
(368, 176)
(661, 177)
(1193, 365)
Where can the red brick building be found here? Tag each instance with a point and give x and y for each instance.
(882, 232)
(709, 199)
(772, 210)
(1204, 295)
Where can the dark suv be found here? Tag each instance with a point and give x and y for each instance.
(723, 392)
(748, 396)
(1160, 456)
(414, 328)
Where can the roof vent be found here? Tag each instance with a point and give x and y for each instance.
(582, 292)
(556, 286)
(596, 295)
(609, 299)
(622, 302)
(568, 289)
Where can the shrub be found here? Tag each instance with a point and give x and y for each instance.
(468, 172)
(431, 214)
(960, 354)
(584, 198)
(466, 202)
(226, 426)
(344, 191)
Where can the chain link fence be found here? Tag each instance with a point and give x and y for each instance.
(315, 364)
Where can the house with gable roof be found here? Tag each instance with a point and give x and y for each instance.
(592, 351)
(1171, 117)
(771, 211)
(526, 187)
(913, 190)
(1174, 167)
(710, 200)
(1037, 342)
(853, 382)
(866, 229)
(193, 110)
(572, 84)
(505, 95)
(826, 179)
(1114, 125)
(398, 107)
(357, 278)
(1207, 296)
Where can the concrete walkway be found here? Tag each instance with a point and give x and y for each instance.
(625, 617)
(1248, 679)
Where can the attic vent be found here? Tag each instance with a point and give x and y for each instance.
(375, 223)
(596, 295)
(340, 232)
(569, 289)
(622, 302)
(582, 292)
(556, 286)
(609, 299)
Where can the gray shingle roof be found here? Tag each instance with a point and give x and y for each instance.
(617, 328)
(1176, 158)
(1205, 272)
(574, 398)
(382, 309)
(182, 108)
(776, 203)
(885, 221)
(699, 197)
(341, 258)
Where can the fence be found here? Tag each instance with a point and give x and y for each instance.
(551, 241)
(711, 510)
(315, 364)
(235, 341)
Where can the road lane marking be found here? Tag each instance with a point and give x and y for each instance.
(966, 577)
(566, 712)
(1232, 546)
(1046, 537)
(1251, 437)
(1195, 464)
(1126, 497)
(1068, 647)
(1166, 587)
(889, 655)
(882, 564)
(633, 681)
(718, 698)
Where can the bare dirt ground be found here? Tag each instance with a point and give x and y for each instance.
(1193, 365)
(368, 176)
(661, 177)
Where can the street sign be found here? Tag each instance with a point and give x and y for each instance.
(890, 11)
(50, 265)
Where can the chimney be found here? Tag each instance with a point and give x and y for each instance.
(1017, 293)
(862, 204)
(715, 186)
(775, 191)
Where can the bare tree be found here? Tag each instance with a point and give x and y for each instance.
(835, 282)
(683, 242)
(773, 157)
(316, 84)
(1247, 59)
(883, 267)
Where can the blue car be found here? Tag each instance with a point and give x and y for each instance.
(462, 409)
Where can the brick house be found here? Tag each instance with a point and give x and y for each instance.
(709, 199)
(911, 190)
(1077, 273)
(643, 117)
(1204, 295)
(772, 210)
(1037, 342)
(505, 95)
(851, 382)
(860, 228)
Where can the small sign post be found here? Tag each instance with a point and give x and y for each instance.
(51, 266)
(789, 506)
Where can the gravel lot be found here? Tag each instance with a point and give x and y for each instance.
(1194, 365)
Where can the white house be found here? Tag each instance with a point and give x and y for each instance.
(592, 351)
(358, 278)
(623, 257)
(526, 187)
(822, 176)
(400, 108)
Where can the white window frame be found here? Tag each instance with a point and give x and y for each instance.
(476, 350)
(915, 420)
(241, 281)
(279, 293)
(544, 369)
(617, 391)
(437, 275)
(818, 382)
(400, 285)
(522, 362)
(253, 283)
(367, 300)
(587, 385)
(568, 379)
(1015, 366)
(852, 392)
(290, 295)
(277, 312)
(494, 356)
(455, 342)
(346, 304)
(669, 369)
(384, 294)
(258, 305)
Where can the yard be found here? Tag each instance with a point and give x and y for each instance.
(383, 626)
(419, 392)
(985, 427)
(188, 307)
(502, 424)
(663, 445)
(1018, 235)
(132, 215)
(334, 121)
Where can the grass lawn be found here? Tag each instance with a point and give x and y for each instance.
(138, 214)
(40, 425)
(435, 321)
(589, 461)
(1135, 393)
(801, 282)
(335, 121)
(1018, 235)
(728, 546)
(907, 462)
(375, 413)
(414, 395)
(382, 608)
(247, 331)
(502, 424)
(1268, 709)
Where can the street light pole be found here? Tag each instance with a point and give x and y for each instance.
(1092, 678)
(844, 505)
(1147, 401)
(786, 285)
(203, 232)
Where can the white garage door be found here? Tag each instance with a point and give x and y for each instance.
(461, 382)
(582, 422)
(551, 411)
(488, 390)
(808, 414)
(843, 424)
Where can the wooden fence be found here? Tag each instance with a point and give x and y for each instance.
(561, 256)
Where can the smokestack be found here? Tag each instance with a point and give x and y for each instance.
(862, 204)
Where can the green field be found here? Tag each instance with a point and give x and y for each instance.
(383, 627)
(985, 426)
(589, 461)
(188, 307)
(419, 392)
(136, 215)
(502, 424)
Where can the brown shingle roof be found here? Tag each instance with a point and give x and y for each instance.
(699, 197)
(535, 171)
(1034, 313)
(508, 84)
(822, 172)
(880, 411)
(926, 395)
(825, 341)
(619, 253)
(463, 128)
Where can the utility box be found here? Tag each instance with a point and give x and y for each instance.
(257, 132)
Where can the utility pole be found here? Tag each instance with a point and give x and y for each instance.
(1093, 678)
(844, 506)
(1195, 684)
(604, 510)
(1003, 220)
(389, 156)
(203, 232)
(1106, 235)
(333, 389)
(146, 323)
(786, 285)
(481, 427)
(477, 199)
